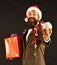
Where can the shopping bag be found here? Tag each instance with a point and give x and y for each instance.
(13, 47)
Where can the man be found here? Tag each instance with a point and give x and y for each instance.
(36, 37)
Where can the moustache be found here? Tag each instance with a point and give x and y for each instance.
(31, 19)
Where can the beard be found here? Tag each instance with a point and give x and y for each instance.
(32, 21)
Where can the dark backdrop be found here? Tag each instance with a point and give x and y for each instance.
(12, 14)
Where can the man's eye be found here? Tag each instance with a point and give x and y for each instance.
(29, 14)
(33, 14)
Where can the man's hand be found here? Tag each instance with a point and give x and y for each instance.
(46, 30)
(46, 33)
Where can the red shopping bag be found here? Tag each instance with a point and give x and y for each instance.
(13, 47)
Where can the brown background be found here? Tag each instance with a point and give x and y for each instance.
(12, 14)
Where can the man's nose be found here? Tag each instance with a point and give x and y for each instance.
(32, 15)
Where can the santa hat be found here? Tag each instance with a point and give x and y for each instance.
(36, 9)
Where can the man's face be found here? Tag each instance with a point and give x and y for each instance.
(33, 17)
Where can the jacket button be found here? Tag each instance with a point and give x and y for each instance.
(34, 54)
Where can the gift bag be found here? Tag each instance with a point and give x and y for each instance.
(13, 47)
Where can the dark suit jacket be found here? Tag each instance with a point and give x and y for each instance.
(32, 55)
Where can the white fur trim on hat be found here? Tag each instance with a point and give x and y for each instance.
(36, 9)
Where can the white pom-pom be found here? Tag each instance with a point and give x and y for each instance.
(26, 19)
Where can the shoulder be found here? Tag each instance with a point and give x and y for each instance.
(24, 31)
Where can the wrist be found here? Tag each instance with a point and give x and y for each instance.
(47, 40)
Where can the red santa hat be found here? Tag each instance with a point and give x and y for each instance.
(36, 9)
